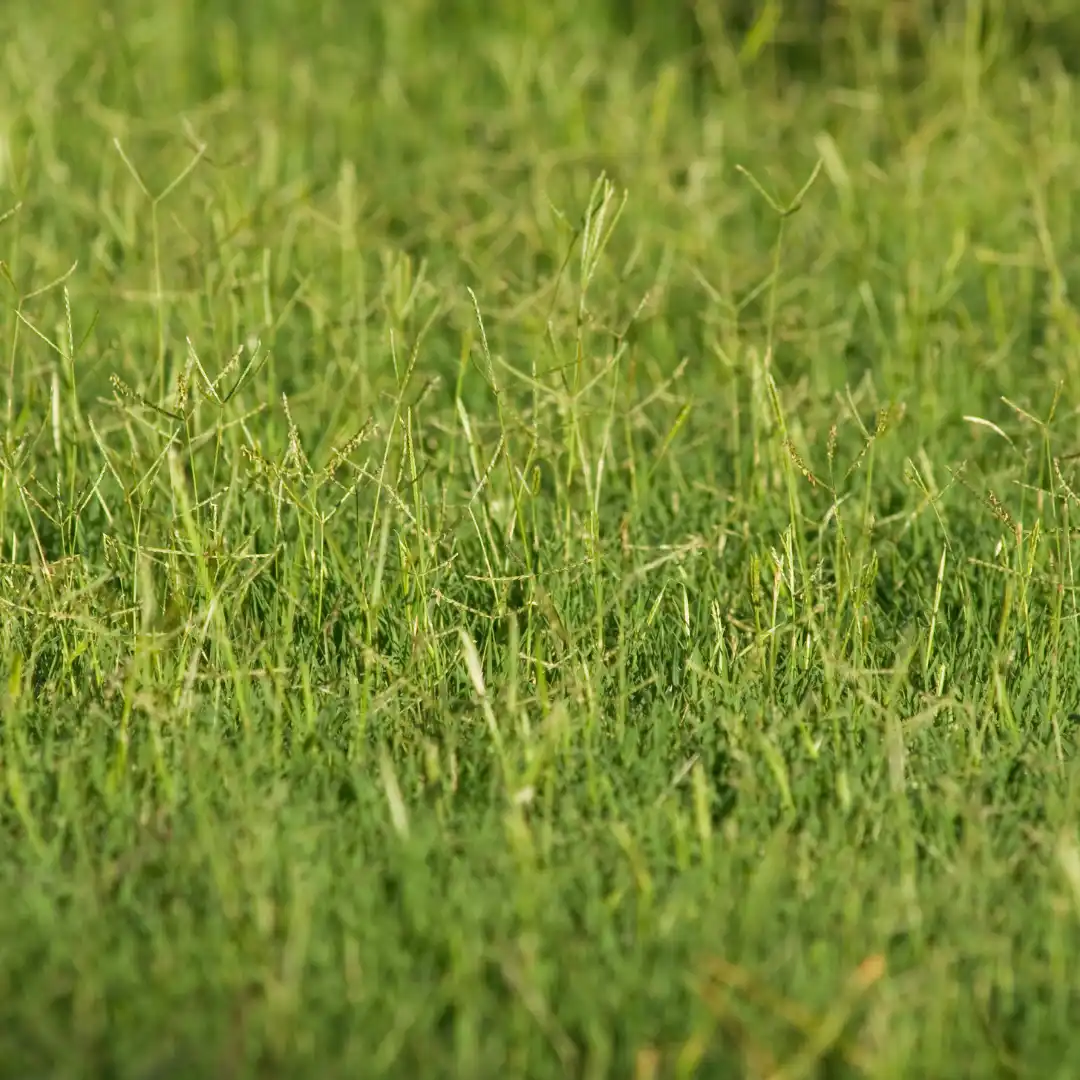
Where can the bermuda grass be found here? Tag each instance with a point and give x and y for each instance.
(536, 541)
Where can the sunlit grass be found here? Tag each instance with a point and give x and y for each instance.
(537, 544)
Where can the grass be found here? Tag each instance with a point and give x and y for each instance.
(538, 542)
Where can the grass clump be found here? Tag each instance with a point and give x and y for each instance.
(538, 542)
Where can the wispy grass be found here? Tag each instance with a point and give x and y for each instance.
(538, 544)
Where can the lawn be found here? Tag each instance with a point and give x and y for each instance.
(537, 542)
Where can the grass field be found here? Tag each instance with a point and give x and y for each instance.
(536, 541)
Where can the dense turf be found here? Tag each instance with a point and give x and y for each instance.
(538, 543)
